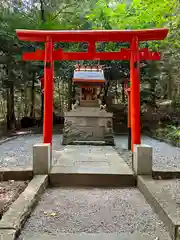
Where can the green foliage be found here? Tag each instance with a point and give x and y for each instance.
(173, 133)
(169, 132)
(138, 14)
(142, 14)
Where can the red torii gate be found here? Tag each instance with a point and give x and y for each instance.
(49, 55)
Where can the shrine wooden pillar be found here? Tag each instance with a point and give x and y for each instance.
(135, 93)
(48, 91)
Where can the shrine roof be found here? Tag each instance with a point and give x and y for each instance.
(92, 35)
(84, 76)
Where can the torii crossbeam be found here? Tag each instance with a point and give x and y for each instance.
(133, 54)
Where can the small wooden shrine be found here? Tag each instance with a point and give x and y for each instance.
(87, 123)
(89, 79)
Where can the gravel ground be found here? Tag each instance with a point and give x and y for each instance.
(173, 188)
(63, 210)
(18, 152)
(165, 156)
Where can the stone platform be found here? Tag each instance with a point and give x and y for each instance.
(90, 166)
(164, 197)
(88, 124)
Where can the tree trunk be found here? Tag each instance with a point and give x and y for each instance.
(32, 113)
(59, 96)
(42, 11)
(43, 19)
(153, 89)
(26, 104)
(73, 93)
(8, 120)
(42, 106)
(169, 87)
(106, 88)
(11, 120)
(123, 93)
(70, 93)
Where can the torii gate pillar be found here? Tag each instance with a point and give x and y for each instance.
(135, 93)
(48, 91)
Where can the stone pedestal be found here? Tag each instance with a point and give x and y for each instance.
(142, 160)
(86, 124)
(42, 158)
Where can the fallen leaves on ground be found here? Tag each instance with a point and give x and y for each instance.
(51, 214)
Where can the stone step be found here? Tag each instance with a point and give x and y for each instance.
(93, 166)
(88, 236)
(94, 143)
(57, 178)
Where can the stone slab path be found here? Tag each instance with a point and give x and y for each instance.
(91, 159)
(93, 210)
